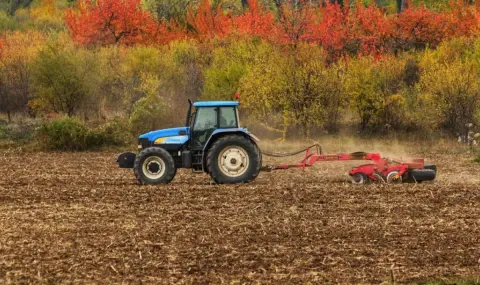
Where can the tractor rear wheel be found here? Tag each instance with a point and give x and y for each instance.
(233, 159)
(154, 165)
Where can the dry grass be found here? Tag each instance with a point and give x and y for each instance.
(76, 218)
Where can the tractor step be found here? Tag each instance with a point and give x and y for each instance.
(197, 161)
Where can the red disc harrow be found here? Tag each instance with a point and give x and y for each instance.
(380, 169)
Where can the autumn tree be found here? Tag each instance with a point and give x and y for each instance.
(17, 52)
(46, 15)
(113, 22)
(256, 21)
(450, 79)
(374, 91)
(298, 86)
(6, 22)
(208, 21)
(65, 79)
(295, 20)
(418, 28)
(229, 65)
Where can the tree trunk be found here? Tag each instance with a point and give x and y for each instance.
(245, 4)
(401, 5)
(9, 115)
(306, 130)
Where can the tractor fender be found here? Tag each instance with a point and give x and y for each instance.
(222, 132)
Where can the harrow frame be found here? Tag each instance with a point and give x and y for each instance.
(380, 168)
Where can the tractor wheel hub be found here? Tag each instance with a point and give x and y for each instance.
(153, 167)
(233, 161)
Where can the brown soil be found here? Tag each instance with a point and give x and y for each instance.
(77, 218)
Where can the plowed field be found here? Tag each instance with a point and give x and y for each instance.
(77, 218)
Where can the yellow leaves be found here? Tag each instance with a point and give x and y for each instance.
(45, 8)
(45, 15)
(450, 82)
(373, 88)
(149, 84)
(293, 89)
(22, 46)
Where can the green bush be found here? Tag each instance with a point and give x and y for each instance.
(117, 133)
(73, 134)
(64, 134)
(114, 133)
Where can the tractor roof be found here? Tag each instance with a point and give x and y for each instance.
(216, 104)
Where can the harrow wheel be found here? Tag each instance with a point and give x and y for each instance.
(233, 159)
(394, 177)
(359, 178)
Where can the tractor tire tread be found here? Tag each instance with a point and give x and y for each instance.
(215, 174)
(170, 171)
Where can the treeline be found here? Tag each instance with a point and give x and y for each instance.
(284, 87)
(303, 68)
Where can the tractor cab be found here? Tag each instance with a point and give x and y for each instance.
(208, 118)
(211, 141)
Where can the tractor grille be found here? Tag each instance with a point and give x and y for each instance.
(143, 142)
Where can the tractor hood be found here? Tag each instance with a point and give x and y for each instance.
(167, 136)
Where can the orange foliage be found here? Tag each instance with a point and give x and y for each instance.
(418, 27)
(208, 21)
(339, 30)
(115, 21)
(256, 22)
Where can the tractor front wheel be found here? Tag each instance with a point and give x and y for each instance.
(233, 159)
(154, 165)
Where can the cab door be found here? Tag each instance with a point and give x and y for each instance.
(205, 123)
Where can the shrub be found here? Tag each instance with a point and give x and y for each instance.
(293, 90)
(64, 134)
(453, 88)
(72, 134)
(18, 131)
(116, 133)
(374, 91)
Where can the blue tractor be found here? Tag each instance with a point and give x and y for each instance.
(211, 141)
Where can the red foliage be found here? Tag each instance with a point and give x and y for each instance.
(295, 22)
(113, 21)
(371, 30)
(208, 21)
(339, 30)
(330, 28)
(419, 27)
(463, 20)
(255, 22)
(342, 30)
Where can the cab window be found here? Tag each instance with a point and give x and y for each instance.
(206, 118)
(228, 117)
